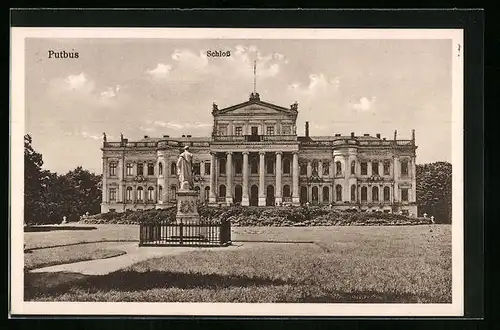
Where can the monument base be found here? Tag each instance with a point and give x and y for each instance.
(187, 215)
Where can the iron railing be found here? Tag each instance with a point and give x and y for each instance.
(165, 233)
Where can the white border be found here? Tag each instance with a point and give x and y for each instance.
(19, 307)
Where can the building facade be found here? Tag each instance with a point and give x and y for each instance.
(255, 157)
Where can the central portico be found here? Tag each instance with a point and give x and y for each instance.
(254, 154)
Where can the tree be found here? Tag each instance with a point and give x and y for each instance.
(434, 190)
(34, 206)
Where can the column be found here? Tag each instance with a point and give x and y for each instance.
(347, 174)
(229, 178)
(244, 198)
(202, 168)
(278, 198)
(320, 168)
(381, 167)
(309, 169)
(396, 179)
(104, 180)
(213, 162)
(262, 195)
(295, 179)
(369, 170)
(119, 196)
(320, 194)
(332, 168)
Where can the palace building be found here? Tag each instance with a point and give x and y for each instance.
(255, 157)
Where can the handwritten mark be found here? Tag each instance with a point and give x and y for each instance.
(458, 50)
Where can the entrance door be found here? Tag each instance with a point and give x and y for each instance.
(238, 192)
(255, 130)
(270, 196)
(303, 194)
(254, 195)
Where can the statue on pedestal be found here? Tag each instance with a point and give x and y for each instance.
(185, 170)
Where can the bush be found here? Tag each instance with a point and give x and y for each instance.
(265, 216)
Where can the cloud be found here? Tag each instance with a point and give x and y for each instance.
(91, 136)
(177, 126)
(76, 82)
(147, 129)
(364, 104)
(318, 84)
(160, 71)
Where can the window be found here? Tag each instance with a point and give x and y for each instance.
(196, 168)
(338, 168)
(222, 166)
(387, 194)
(364, 168)
(375, 194)
(112, 194)
(173, 169)
(237, 166)
(222, 190)
(160, 168)
(151, 195)
(375, 168)
(353, 193)
(387, 168)
(303, 169)
(207, 168)
(286, 130)
(160, 193)
(286, 166)
(140, 194)
(286, 191)
(222, 130)
(353, 167)
(173, 190)
(270, 130)
(207, 194)
(315, 167)
(338, 193)
(404, 167)
(112, 169)
(364, 194)
(326, 168)
(140, 169)
(129, 194)
(270, 166)
(404, 194)
(326, 195)
(238, 130)
(130, 169)
(151, 169)
(314, 194)
(254, 167)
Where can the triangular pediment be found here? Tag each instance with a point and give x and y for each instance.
(257, 107)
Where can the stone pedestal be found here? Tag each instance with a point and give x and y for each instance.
(187, 214)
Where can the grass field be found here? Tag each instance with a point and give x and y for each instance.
(400, 264)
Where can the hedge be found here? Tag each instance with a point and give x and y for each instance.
(265, 216)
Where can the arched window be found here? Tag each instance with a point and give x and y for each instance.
(173, 190)
(222, 190)
(286, 166)
(387, 194)
(303, 194)
(173, 169)
(160, 192)
(286, 191)
(151, 194)
(160, 168)
(326, 194)
(140, 193)
(207, 194)
(129, 194)
(254, 166)
(270, 166)
(237, 166)
(353, 193)
(364, 194)
(222, 166)
(338, 193)
(338, 168)
(404, 167)
(314, 194)
(375, 194)
(353, 167)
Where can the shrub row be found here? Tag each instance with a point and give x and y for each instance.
(259, 216)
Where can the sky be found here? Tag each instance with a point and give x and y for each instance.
(161, 87)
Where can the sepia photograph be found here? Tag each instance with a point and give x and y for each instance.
(237, 171)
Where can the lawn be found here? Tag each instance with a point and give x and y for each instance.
(399, 264)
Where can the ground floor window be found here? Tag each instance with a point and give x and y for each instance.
(129, 194)
(404, 194)
(140, 193)
(338, 193)
(151, 195)
(112, 194)
(326, 195)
